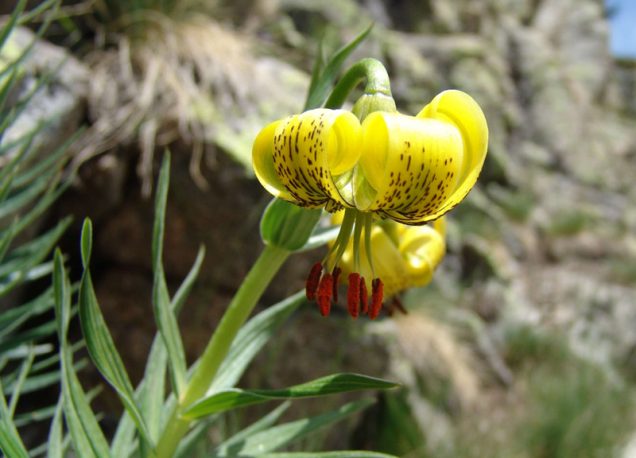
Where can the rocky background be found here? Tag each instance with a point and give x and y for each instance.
(524, 345)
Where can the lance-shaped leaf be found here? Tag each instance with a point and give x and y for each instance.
(99, 342)
(87, 437)
(271, 439)
(164, 316)
(331, 384)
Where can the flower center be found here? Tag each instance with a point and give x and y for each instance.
(322, 282)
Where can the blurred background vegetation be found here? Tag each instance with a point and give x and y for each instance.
(525, 343)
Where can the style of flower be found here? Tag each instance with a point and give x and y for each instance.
(409, 169)
(403, 256)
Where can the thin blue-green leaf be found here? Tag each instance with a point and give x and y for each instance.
(331, 384)
(55, 442)
(226, 447)
(276, 437)
(164, 316)
(28, 335)
(10, 441)
(337, 454)
(87, 437)
(32, 253)
(11, 23)
(186, 286)
(319, 91)
(12, 318)
(17, 387)
(99, 342)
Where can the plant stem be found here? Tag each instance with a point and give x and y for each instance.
(371, 70)
(259, 277)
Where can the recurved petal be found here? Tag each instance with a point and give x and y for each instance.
(311, 148)
(423, 248)
(263, 163)
(411, 163)
(460, 110)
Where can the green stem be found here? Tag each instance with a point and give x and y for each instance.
(371, 70)
(259, 277)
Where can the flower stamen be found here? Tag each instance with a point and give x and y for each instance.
(377, 292)
(325, 294)
(311, 285)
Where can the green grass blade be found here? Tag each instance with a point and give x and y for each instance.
(10, 442)
(12, 21)
(13, 318)
(99, 342)
(20, 200)
(32, 253)
(33, 334)
(251, 339)
(17, 386)
(338, 454)
(55, 442)
(318, 93)
(271, 439)
(331, 384)
(164, 316)
(87, 437)
(186, 287)
(263, 423)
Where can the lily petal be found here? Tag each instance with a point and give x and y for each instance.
(412, 164)
(460, 110)
(263, 163)
(311, 148)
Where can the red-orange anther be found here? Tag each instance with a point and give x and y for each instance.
(377, 293)
(364, 296)
(311, 285)
(324, 294)
(336, 276)
(353, 295)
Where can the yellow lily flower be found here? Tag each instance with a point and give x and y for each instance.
(410, 169)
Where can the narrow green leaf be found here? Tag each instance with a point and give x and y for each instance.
(160, 213)
(164, 316)
(251, 339)
(28, 335)
(194, 437)
(338, 454)
(237, 439)
(150, 392)
(318, 94)
(273, 438)
(99, 342)
(32, 253)
(184, 290)
(10, 442)
(8, 26)
(332, 384)
(17, 388)
(55, 443)
(86, 243)
(87, 437)
(12, 318)
(17, 201)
